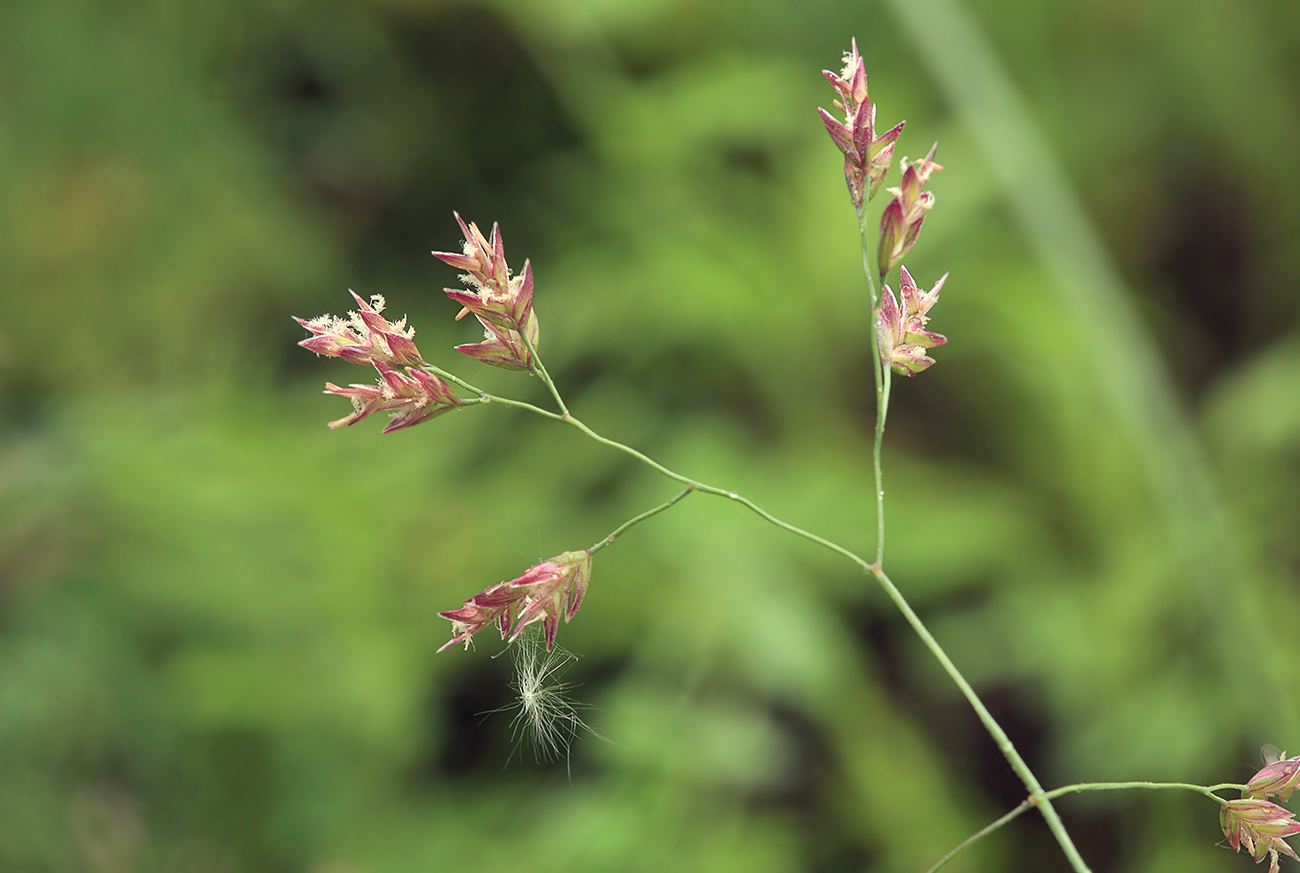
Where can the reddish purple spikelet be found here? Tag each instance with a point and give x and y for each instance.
(1278, 779)
(544, 593)
(1260, 827)
(502, 304)
(365, 337)
(502, 348)
(867, 157)
(410, 398)
(900, 224)
(900, 330)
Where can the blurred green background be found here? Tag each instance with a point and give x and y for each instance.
(218, 619)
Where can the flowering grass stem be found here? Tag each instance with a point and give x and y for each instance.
(900, 224)
(553, 589)
(1008, 749)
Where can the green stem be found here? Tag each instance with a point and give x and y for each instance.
(640, 518)
(881, 373)
(692, 484)
(1207, 790)
(991, 725)
(482, 396)
(983, 832)
(865, 236)
(695, 485)
(453, 378)
(539, 370)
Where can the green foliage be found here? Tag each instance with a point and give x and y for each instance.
(218, 620)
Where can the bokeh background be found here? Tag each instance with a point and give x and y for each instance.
(218, 619)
